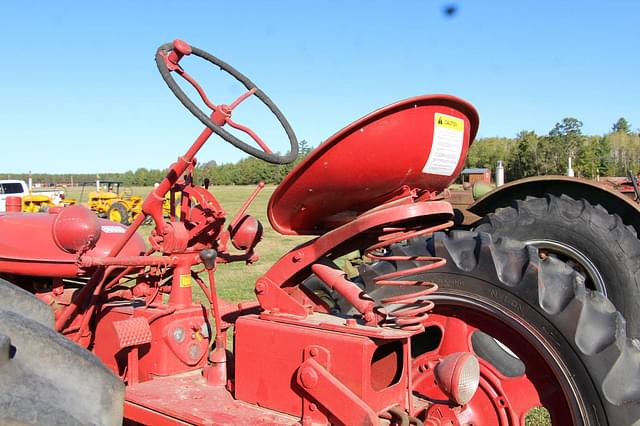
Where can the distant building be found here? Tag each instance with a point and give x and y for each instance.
(477, 174)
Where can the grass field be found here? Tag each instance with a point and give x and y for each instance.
(235, 281)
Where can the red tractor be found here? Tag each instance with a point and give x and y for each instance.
(438, 327)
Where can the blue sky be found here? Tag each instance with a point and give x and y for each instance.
(80, 91)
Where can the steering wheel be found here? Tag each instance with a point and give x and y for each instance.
(167, 59)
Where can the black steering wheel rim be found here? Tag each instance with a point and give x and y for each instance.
(206, 120)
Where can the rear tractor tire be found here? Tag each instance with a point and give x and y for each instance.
(595, 243)
(118, 213)
(542, 338)
(44, 377)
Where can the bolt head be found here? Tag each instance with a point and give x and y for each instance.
(309, 377)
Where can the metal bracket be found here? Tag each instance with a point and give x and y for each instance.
(274, 299)
(326, 392)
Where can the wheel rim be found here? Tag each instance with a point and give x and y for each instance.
(575, 258)
(115, 216)
(500, 400)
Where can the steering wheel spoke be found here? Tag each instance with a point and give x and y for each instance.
(198, 88)
(167, 60)
(242, 98)
(251, 133)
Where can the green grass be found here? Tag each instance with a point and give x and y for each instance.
(538, 416)
(235, 281)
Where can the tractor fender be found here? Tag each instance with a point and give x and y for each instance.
(596, 193)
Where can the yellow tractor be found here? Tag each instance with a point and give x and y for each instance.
(108, 202)
(35, 202)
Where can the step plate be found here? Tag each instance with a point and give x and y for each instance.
(187, 399)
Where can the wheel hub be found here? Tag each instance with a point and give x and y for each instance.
(500, 399)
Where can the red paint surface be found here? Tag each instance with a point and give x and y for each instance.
(164, 355)
(269, 354)
(169, 400)
(42, 256)
(366, 163)
(13, 204)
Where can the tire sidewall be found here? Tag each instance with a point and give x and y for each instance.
(124, 213)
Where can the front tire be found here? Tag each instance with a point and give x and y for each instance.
(572, 352)
(44, 377)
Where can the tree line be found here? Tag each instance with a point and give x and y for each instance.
(530, 154)
(247, 171)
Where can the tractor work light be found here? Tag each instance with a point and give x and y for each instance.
(458, 376)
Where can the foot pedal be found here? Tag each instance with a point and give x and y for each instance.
(132, 332)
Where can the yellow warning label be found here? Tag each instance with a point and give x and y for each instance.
(449, 122)
(185, 280)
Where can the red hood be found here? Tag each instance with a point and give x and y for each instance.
(27, 246)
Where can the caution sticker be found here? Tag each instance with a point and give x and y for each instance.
(453, 123)
(448, 138)
(185, 281)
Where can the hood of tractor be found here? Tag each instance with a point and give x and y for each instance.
(28, 245)
(419, 143)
